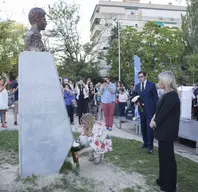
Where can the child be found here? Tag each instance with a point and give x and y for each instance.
(95, 138)
(122, 101)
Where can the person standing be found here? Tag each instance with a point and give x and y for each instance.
(82, 97)
(196, 101)
(16, 98)
(122, 101)
(107, 91)
(92, 100)
(3, 100)
(148, 99)
(99, 104)
(166, 127)
(69, 97)
(131, 95)
(116, 111)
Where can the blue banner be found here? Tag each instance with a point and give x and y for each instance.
(137, 69)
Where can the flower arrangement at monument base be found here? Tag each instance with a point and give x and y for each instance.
(75, 148)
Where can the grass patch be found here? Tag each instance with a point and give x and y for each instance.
(127, 156)
(9, 140)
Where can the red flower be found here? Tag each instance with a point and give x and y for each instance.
(102, 146)
(96, 143)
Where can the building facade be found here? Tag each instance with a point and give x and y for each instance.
(129, 13)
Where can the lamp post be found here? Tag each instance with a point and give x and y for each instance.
(119, 70)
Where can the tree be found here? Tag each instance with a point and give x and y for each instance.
(190, 32)
(73, 58)
(11, 44)
(162, 48)
(130, 41)
(159, 49)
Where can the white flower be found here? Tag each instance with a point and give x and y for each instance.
(75, 144)
(135, 99)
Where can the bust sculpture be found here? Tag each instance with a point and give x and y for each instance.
(33, 39)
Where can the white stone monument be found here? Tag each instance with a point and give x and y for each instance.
(45, 135)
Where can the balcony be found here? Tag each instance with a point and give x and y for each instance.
(110, 16)
(95, 31)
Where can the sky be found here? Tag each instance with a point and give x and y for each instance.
(18, 11)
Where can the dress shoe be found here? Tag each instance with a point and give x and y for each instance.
(143, 146)
(158, 182)
(150, 151)
(167, 190)
(162, 187)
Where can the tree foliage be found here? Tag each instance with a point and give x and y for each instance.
(73, 57)
(159, 49)
(190, 32)
(130, 41)
(11, 44)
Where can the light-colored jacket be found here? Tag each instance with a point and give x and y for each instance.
(85, 92)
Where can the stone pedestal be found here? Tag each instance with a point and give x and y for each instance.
(45, 135)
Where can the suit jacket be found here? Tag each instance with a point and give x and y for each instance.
(167, 117)
(148, 98)
(196, 92)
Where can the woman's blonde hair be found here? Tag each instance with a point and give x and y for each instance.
(89, 118)
(169, 81)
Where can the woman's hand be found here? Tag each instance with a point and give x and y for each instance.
(6, 78)
(152, 124)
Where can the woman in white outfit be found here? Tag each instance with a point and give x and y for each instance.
(3, 100)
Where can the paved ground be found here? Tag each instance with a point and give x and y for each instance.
(127, 132)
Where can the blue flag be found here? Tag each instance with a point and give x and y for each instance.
(137, 69)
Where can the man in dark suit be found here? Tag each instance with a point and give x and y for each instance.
(148, 99)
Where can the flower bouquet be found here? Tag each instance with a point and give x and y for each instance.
(75, 148)
(136, 100)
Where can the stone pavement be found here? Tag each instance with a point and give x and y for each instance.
(127, 132)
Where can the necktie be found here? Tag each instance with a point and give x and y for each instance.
(142, 87)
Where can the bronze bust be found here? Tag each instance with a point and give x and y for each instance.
(33, 39)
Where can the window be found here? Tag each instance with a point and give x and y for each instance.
(131, 11)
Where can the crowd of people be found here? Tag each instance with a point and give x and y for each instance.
(103, 99)
(158, 106)
(160, 118)
(159, 110)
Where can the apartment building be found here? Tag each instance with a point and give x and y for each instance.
(129, 13)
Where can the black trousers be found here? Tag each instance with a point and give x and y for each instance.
(122, 106)
(82, 108)
(147, 132)
(167, 166)
(196, 113)
(70, 111)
